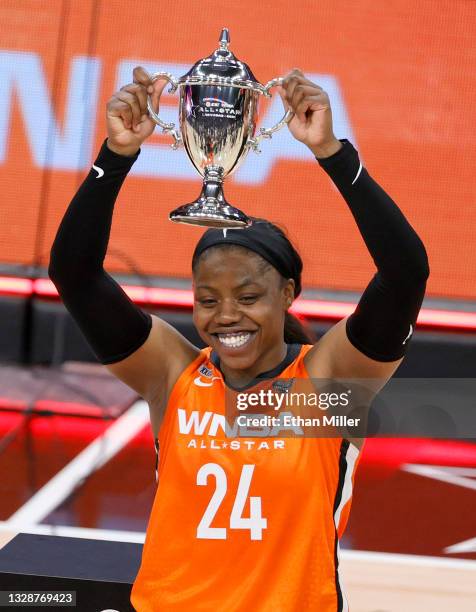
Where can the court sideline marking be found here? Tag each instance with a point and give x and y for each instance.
(93, 457)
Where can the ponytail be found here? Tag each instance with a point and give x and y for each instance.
(295, 331)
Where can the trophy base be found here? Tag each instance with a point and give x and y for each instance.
(210, 215)
(211, 209)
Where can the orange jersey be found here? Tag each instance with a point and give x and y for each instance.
(242, 524)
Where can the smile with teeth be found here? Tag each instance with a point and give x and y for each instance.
(235, 340)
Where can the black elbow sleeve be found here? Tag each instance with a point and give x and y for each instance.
(384, 320)
(111, 323)
(385, 317)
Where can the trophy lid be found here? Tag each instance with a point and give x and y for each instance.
(222, 67)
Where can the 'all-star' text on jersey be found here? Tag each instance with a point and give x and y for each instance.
(242, 524)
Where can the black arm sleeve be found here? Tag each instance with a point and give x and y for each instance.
(385, 317)
(112, 324)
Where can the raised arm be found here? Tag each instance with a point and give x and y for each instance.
(372, 341)
(383, 322)
(141, 349)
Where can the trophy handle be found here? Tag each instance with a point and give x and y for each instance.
(166, 127)
(268, 132)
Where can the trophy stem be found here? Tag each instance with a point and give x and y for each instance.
(212, 190)
(211, 208)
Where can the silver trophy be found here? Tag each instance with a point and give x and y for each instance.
(217, 120)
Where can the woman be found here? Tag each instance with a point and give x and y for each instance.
(236, 525)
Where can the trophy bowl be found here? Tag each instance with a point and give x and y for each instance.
(218, 108)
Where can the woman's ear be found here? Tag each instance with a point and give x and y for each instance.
(288, 292)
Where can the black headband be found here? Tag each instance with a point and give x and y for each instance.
(263, 239)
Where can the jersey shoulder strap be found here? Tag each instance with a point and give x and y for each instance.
(184, 379)
(297, 368)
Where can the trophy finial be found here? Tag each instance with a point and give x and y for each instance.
(224, 39)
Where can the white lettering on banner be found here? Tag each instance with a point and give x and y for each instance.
(68, 147)
(161, 161)
(283, 145)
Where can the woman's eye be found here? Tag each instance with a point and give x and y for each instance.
(207, 302)
(248, 299)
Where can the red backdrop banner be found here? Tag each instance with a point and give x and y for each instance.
(402, 80)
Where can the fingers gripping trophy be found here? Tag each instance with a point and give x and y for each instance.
(218, 108)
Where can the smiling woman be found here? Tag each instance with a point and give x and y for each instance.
(244, 283)
(236, 524)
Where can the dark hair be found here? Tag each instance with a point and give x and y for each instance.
(295, 331)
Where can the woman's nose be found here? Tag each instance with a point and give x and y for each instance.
(227, 312)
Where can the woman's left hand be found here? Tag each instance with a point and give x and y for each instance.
(312, 121)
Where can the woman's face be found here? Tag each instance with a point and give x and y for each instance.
(239, 306)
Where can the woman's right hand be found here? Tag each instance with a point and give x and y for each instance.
(127, 117)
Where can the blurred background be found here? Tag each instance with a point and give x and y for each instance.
(401, 77)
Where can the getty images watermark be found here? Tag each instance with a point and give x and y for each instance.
(283, 403)
(295, 407)
(353, 408)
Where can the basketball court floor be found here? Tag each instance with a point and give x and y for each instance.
(77, 459)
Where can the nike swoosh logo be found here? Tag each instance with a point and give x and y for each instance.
(200, 383)
(409, 334)
(99, 170)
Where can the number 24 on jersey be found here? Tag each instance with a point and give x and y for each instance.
(255, 522)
